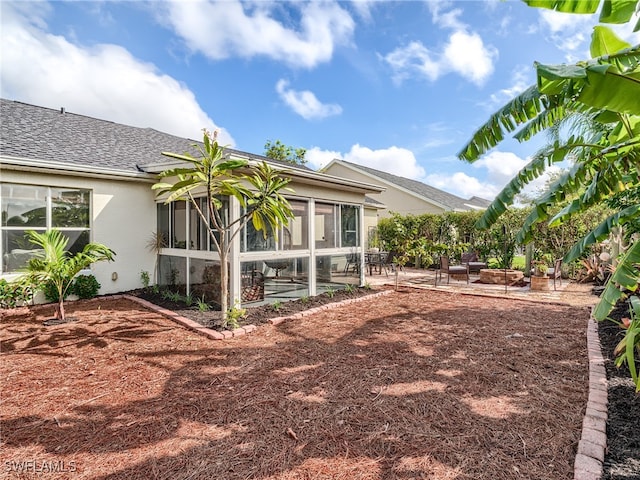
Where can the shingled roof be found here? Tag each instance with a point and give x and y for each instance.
(49, 135)
(428, 192)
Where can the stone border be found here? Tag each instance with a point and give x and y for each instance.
(592, 445)
(190, 324)
(225, 334)
(328, 306)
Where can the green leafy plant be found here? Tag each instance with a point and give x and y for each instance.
(629, 346)
(188, 300)
(234, 315)
(203, 306)
(304, 299)
(277, 305)
(145, 278)
(330, 292)
(13, 294)
(167, 294)
(85, 286)
(56, 266)
(155, 288)
(367, 286)
(349, 288)
(174, 297)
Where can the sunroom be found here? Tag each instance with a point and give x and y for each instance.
(321, 249)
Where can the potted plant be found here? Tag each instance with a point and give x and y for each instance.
(540, 279)
(540, 268)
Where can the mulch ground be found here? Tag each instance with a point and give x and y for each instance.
(414, 384)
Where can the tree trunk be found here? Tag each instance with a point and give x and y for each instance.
(224, 285)
(60, 309)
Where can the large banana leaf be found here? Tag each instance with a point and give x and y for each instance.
(626, 276)
(526, 106)
(613, 11)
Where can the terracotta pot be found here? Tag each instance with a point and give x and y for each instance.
(540, 283)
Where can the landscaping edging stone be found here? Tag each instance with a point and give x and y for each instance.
(225, 334)
(190, 324)
(328, 306)
(593, 442)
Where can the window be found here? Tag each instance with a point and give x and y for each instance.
(30, 207)
(294, 236)
(328, 216)
(325, 219)
(188, 230)
(350, 222)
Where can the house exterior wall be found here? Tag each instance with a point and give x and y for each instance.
(395, 199)
(123, 216)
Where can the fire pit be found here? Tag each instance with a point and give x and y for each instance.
(497, 277)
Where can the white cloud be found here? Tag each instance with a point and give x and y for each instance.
(463, 53)
(105, 81)
(521, 78)
(500, 166)
(396, 160)
(463, 185)
(221, 30)
(467, 55)
(305, 103)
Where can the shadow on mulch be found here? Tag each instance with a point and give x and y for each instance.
(622, 457)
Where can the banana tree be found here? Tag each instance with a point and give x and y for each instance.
(55, 265)
(604, 93)
(257, 187)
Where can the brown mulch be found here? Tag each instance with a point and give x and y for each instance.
(414, 384)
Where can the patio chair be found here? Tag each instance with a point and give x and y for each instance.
(445, 267)
(353, 261)
(556, 272)
(471, 259)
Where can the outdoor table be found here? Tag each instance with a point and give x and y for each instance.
(375, 260)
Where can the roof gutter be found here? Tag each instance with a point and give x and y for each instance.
(42, 166)
(309, 177)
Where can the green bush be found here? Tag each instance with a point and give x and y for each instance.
(85, 286)
(51, 291)
(13, 294)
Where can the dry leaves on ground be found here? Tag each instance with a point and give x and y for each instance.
(415, 384)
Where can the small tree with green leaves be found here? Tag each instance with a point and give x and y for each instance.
(257, 187)
(58, 267)
(284, 153)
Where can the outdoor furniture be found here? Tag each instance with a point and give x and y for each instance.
(353, 261)
(556, 272)
(445, 267)
(252, 286)
(377, 261)
(471, 259)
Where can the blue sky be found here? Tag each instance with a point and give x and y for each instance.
(397, 86)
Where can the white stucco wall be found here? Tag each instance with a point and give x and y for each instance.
(123, 219)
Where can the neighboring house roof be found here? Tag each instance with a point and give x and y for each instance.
(479, 202)
(40, 137)
(427, 192)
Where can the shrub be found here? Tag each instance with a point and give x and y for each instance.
(86, 286)
(50, 290)
(13, 294)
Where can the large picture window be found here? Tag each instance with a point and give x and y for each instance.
(30, 207)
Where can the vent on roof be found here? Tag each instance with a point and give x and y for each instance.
(62, 110)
